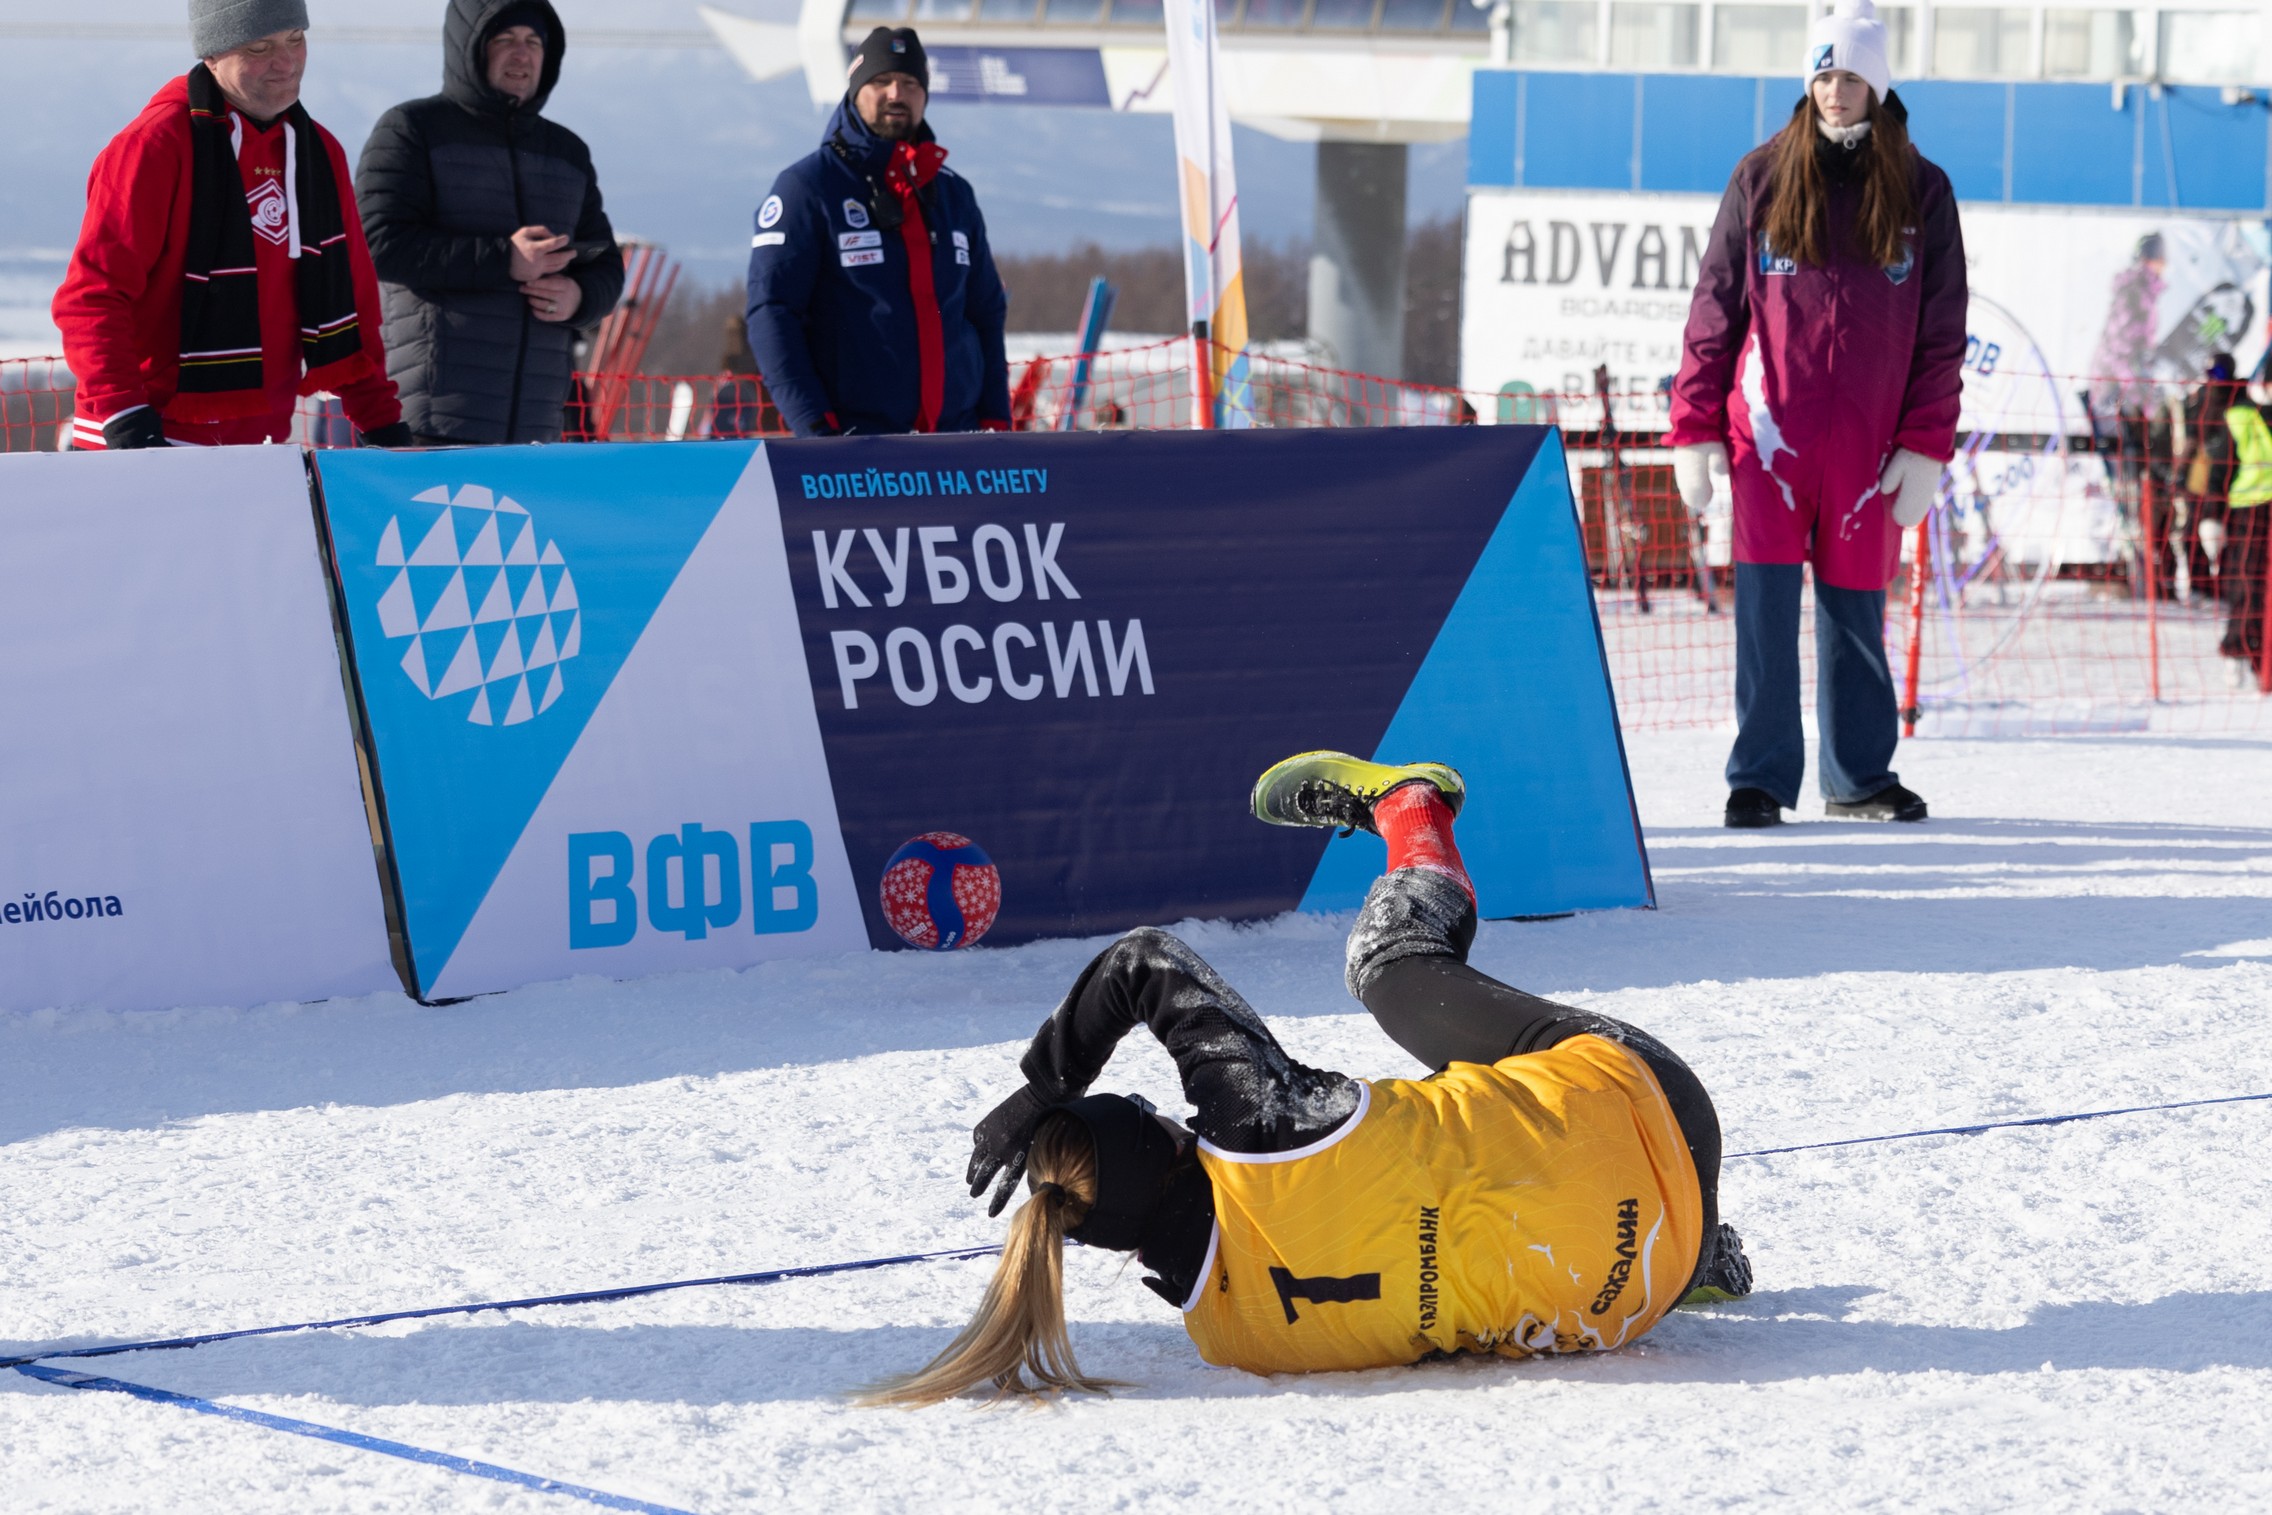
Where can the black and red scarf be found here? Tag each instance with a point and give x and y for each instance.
(221, 374)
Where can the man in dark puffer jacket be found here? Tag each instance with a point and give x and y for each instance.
(487, 230)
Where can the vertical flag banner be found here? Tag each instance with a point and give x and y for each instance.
(1209, 191)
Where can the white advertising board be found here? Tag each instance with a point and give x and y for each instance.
(182, 821)
(1556, 282)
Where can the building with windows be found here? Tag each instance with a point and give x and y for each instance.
(2199, 42)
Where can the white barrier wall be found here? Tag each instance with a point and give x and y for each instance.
(180, 816)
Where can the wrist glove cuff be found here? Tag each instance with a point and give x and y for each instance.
(395, 434)
(131, 429)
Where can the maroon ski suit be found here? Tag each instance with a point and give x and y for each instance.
(1813, 376)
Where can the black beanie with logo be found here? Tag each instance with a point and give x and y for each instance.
(890, 50)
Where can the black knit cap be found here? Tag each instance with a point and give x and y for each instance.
(1135, 1157)
(890, 50)
(534, 17)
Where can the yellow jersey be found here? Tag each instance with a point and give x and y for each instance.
(1543, 1203)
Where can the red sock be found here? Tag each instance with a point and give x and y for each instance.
(1417, 825)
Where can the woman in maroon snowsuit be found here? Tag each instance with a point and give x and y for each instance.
(1821, 371)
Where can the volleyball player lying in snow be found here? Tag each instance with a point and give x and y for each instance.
(1552, 1187)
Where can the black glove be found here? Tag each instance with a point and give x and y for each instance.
(139, 427)
(393, 434)
(998, 1145)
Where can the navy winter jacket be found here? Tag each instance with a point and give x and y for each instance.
(444, 183)
(831, 316)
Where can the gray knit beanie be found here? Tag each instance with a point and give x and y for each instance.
(216, 26)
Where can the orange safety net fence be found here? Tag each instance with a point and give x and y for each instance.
(2080, 572)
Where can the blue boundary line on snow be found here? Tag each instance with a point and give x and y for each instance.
(449, 1460)
(2000, 1125)
(779, 1275)
(585, 1297)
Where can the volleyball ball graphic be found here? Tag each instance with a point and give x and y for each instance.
(941, 891)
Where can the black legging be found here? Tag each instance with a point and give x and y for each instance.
(1408, 964)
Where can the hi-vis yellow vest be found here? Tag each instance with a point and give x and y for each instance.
(1544, 1203)
(2252, 449)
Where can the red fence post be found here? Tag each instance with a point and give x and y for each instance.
(2149, 506)
(2264, 604)
(1202, 378)
(1920, 562)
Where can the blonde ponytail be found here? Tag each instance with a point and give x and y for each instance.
(1019, 1329)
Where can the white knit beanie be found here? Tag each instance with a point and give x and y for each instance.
(1851, 38)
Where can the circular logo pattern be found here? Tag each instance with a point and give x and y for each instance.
(488, 607)
(941, 891)
(769, 213)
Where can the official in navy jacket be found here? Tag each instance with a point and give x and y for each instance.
(874, 305)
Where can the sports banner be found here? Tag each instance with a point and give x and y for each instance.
(183, 820)
(637, 708)
(596, 750)
(1079, 650)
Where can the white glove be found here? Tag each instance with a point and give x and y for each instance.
(1693, 466)
(1913, 480)
(2212, 538)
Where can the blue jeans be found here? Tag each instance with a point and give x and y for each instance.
(1854, 699)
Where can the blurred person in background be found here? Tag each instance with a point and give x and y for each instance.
(874, 305)
(488, 231)
(1822, 365)
(2248, 504)
(739, 408)
(2206, 463)
(220, 271)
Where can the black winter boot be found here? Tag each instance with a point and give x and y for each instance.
(1892, 803)
(1754, 807)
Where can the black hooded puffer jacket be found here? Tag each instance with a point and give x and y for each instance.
(443, 184)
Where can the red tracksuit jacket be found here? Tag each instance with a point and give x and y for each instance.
(119, 307)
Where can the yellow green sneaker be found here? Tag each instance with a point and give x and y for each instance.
(1335, 789)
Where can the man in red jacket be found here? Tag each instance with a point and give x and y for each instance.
(221, 271)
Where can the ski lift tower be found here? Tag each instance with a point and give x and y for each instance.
(1363, 79)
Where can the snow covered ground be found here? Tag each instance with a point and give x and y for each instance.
(2075, 1317)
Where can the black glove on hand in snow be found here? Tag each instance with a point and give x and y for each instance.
(139, 427)
(998, 1145)
(394, 434)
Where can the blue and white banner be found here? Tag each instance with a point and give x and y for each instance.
(638, 708)
(593, 754)
(183, 821)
